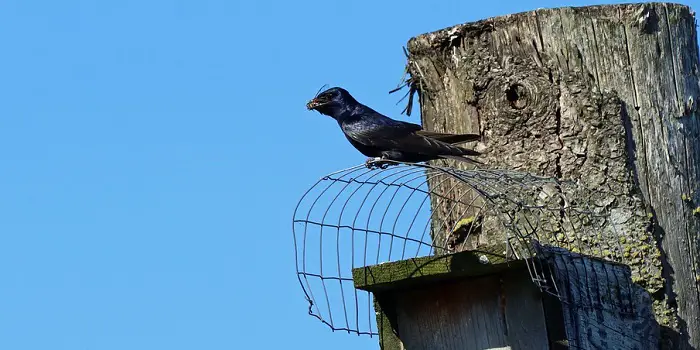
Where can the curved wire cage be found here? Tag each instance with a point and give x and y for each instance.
(366, 216)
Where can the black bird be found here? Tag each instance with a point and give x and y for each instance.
(382, 138)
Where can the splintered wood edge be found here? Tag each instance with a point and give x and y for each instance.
(430, 269)
(428, 42)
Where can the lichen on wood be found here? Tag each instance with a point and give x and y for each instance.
(415, 271)
(602, 95)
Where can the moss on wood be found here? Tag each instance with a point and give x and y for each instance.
(410, 272)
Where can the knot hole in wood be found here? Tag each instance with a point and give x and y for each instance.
(517, 95)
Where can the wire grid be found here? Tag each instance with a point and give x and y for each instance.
(621, 315)
(364, 216)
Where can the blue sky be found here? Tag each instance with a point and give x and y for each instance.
(153, 151)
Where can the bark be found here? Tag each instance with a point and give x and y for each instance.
(602, 95)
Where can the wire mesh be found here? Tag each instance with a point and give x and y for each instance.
(366, 216)
(608, 305)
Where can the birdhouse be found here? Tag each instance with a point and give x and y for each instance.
(431, 257)
(474, 300)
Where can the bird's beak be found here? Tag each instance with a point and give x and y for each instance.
(315, 103)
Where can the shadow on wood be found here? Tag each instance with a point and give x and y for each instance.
(603, 95)
(465, 301)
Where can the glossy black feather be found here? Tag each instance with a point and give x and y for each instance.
(450, 138)
(376, 135)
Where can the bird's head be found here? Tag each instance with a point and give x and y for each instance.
(332, 102)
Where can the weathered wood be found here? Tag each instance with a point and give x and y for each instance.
(602, 308)
(603, 95)
(463, 315)
(427, 270)
(525, 320)
(598, 305)
(385, 309)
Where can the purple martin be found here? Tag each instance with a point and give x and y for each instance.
(382, 138)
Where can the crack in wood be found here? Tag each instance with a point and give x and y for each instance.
(584, 116)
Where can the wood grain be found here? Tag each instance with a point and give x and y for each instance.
(604, 95)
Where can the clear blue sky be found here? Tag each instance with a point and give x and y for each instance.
(152, 153)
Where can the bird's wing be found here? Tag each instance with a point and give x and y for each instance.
(414, 143)
(383, 133)
(408, 126)
(449, 138)
(402, 138)
(372, 126)
(398, 128)
(378, 130)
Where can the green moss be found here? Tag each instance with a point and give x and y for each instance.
(399, 274)
(464, 223)
(696, 211)
(665, 314)
(384, 307)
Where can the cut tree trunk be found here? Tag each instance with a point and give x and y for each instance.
(603, 95)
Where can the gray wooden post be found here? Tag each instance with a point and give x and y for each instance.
(604, 95)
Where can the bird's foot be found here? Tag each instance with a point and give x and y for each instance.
(371, 163)
(377, 163)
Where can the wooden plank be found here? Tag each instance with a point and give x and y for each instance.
(416, 316)
(525, 319)
(602, 308)
(385, 309)
(416, 271)
(461, 315)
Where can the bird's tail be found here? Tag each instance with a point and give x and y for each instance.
(449, 151)
(463, 159)
(449, 138)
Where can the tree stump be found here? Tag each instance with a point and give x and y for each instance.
(603, 95)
